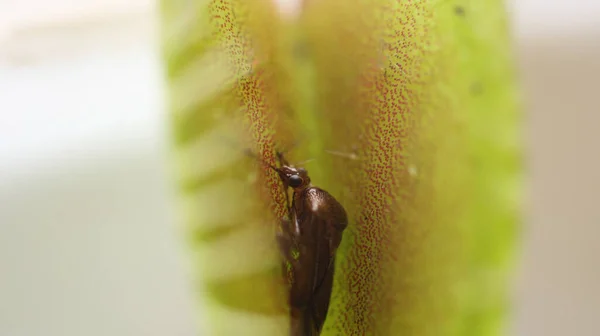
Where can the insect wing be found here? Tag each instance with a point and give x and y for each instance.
(328, 218)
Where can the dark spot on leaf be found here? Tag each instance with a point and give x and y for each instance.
(301, 50)
(476, 89)
(459, 10)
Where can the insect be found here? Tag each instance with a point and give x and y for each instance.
(308, 240)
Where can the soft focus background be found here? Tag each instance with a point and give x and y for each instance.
(88, 241)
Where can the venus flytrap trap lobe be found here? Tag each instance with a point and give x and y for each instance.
(425, 224)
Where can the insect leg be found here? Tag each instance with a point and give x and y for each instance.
(283, 162)
(281, 158)
(286, 243)
(288, 204)
(302, 322)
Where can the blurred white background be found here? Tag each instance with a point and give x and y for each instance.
(87, 240)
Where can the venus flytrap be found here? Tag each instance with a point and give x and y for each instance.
(422, 92)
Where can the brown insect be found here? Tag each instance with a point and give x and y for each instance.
(308, 241)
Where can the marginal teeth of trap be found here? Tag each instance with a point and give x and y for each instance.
(215, 206)
(207, 153)
(178, 25)
(242, 252)
(200, 81)
(236, 322)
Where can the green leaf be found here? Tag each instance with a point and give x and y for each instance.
(417, 98)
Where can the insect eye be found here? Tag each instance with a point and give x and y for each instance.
(295, 181)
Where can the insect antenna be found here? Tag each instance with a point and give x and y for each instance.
(301, 163)
(281, 159)
(253, 155)
(284, 184)
(280, 153)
